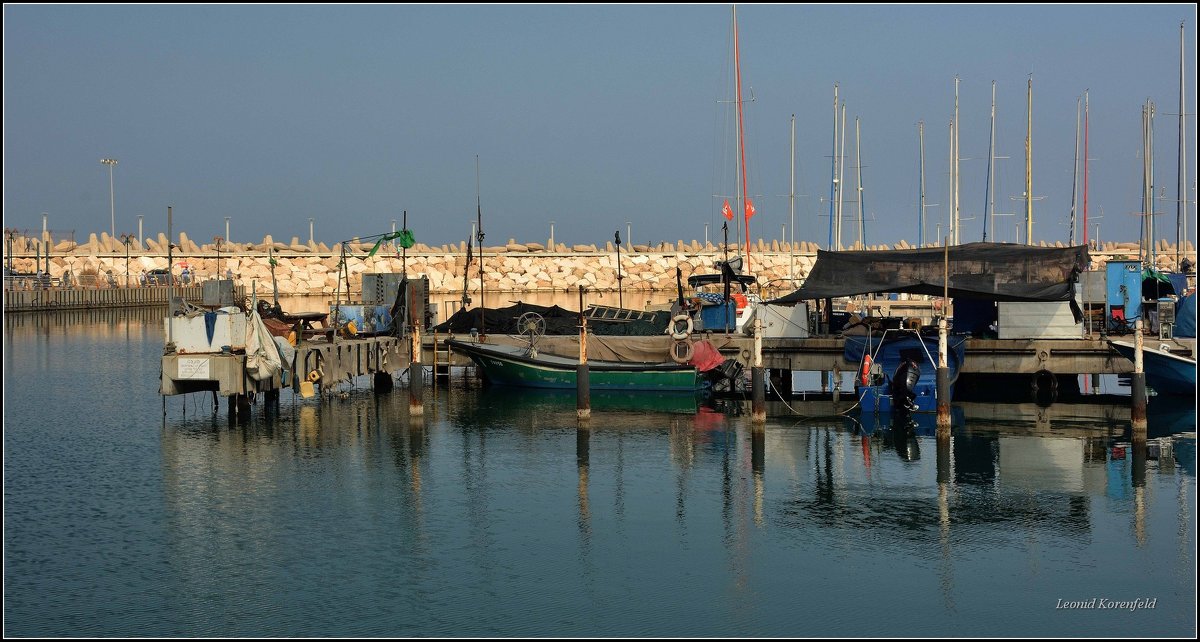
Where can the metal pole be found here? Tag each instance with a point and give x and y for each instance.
(226, 231)
(140, 237)
(112, 203)
(310, 230)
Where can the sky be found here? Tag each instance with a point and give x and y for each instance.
(591, 119)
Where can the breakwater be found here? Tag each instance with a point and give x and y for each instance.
(316, 269)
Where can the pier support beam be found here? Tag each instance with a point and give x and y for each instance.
(1137, 387)
(943, 378)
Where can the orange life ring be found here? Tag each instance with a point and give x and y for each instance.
(865, 375)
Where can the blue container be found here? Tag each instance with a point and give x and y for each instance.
(712, 317)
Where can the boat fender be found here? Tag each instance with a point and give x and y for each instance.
(677, 333)
(314, 376)
(688, 351)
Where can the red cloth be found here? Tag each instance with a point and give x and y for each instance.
(705, 357)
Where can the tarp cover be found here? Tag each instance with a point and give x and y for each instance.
(996, 271)
(558, 321)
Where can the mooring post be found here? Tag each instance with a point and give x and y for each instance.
(835, 383)
(416, 376)
(583, 401)
(1137, 386)
(758, 404)
(943, 378)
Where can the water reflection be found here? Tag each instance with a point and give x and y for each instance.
(351, 516)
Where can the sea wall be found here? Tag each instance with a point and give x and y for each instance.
(314, 268)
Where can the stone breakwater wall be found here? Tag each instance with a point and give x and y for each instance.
(313, 268)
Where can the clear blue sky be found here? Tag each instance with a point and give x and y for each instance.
(589, 116)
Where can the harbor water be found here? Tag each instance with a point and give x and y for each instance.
(497, 514)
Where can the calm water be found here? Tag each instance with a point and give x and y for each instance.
(494, 515)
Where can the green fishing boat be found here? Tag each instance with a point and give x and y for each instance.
(519, 366)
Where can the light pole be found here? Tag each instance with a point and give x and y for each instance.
(112, 203)
(140, 237)
(226, 228)
(551, 236)
(127, 239)
(706, 235)
(629, 234)
(310, 230)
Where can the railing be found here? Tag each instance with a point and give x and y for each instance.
(60, 298)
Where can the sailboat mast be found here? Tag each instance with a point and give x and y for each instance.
(841, 177)
(833, 179)
(1181, 168)
(479, 240)
(921, 208)
(1029, 162)
(950, 210)
(792, 206)
(862, 225)
(989, 208)
(1075, 173)
(954, 224)
(1085, 167)
(741, 136)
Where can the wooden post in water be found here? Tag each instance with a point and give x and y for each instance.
(416, 377)
(943, 371)
(943, 378)
(583, 400)
(1137, 387)
(758, 405)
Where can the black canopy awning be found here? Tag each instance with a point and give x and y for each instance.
(994, 271)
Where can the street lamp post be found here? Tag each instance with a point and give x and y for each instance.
(127, 239)
(706, 235)
(226, 228)
(112, 203)
(629, 234)
(140, 237)
(310, 230)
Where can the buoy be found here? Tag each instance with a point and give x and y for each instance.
(678, 334)
(688, 351)
(314, 376)
(864, 376)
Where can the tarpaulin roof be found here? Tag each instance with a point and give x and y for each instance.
(995, 271)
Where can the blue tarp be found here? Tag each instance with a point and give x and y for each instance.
(1185, 316)
(890, 350)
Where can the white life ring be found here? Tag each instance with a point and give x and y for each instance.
(676, 333)
(688, 351)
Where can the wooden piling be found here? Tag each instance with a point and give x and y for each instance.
(583, 399)
(943, 378)
(758, 404)
(1137, 386)
(416, 377)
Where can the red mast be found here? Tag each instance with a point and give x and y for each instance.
(747, 206)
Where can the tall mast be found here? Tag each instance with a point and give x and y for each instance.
(862, 224)
(989, 208)
(1075, 174)
(1029, 163)
(1181, 168)
(792, 206)
(841, 177)
(1085, 167)
(479, 240)
(833, 175)
(950, 210)
(954, 224)
(741, 138)
(921, 207)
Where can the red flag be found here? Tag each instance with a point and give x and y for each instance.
(749, 209)
(727, 211)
